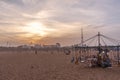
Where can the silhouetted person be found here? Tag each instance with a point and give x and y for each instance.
(36, 52)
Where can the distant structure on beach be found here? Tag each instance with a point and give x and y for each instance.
(57, 45)
(24, 46)
(38, 46)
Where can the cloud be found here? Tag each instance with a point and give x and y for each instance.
(65, 16)
(15, 2)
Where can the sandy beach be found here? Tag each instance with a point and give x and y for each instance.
(47, 66)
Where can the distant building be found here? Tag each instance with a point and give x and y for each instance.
(38, 46)
(24, 46)
(57, 45)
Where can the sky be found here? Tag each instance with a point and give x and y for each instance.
(53, 21)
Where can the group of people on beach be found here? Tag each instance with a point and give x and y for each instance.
(100, 60)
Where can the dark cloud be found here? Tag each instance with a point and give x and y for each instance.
(15, 2)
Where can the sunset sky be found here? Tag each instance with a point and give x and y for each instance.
(52, 21)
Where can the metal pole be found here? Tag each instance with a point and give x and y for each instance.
(118, 53)
(81, 42)
(99, 39)
(82, 36)
(99, 49)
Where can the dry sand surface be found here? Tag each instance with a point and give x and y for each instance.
(47, 66)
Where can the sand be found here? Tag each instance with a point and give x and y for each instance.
(46, 66)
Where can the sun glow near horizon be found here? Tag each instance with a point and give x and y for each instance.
(35, 31)
(35, 28)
